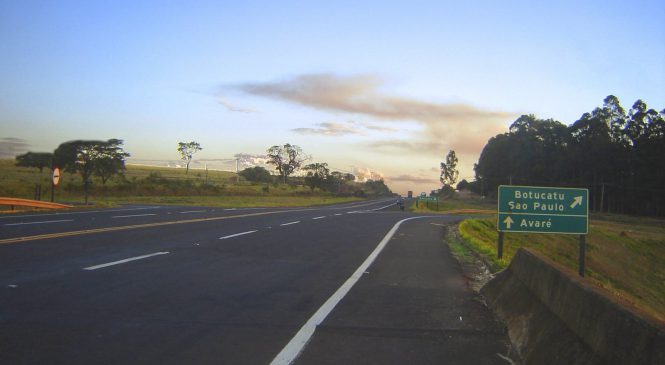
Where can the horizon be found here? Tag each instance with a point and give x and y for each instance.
(372, 87)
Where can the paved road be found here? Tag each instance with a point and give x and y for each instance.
(174, 285)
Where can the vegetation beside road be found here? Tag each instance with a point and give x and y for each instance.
(163, 185)
(625, 255)
(453, 202)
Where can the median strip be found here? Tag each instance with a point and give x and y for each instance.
(124, 261)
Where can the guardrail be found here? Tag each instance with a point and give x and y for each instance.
(14, 202)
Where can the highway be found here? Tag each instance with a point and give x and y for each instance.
(351, 283)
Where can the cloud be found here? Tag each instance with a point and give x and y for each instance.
(232, 107)
(461, 127)
(329, 129)
(363, 174)
(12, 147)
(334, 129)
(414, 179)
(377, 128)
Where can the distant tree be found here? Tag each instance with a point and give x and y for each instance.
(109, 159)
(377, 187)
(187, 151)
(317, 174)
(463, 185)
(449, 171)
(35, 159)
(256, 174)
(89, 157)
(287, 159)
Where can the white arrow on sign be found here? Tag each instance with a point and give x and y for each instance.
(577, 201)
(508, 221)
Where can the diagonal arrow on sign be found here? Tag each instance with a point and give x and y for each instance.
(577, 201)
(508, 221)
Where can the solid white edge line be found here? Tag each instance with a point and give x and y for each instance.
(321, 217)
(290, 223)
(236, 235)
(291, 351)
(123, 261)
(21, 224)
(133, 215)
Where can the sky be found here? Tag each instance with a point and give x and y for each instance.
(382, 89)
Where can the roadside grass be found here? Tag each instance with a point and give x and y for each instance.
(458, 202)
(625, 255)
(160, 185)
(229, 201)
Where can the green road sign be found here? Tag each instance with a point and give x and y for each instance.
(543, 210)
(428, 199)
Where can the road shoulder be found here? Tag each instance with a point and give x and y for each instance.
(413, 305)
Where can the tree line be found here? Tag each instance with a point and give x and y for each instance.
(288, 158)
(106, 159)
(618, 154)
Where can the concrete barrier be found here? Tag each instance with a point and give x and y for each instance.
(555, 317)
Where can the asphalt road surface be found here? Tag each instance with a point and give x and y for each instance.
(360, 283)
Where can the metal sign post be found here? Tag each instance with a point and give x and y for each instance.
(55, 181)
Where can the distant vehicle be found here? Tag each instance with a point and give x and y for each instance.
(400, 203)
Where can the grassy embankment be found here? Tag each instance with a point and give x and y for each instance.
(625, 255)
(161, 185)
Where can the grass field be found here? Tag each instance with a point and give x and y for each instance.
(446, 205)
(625, 255)
(161, 185)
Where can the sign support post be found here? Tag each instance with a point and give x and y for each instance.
(499, 246)
(582, 255)
(55, 181)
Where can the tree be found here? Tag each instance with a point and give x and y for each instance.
(256, 174)
(187, 151)
(35, 159)
(377, 187)
(449, 171)
(287, 159)
(87, 157)
(317, 174)
(463, 185)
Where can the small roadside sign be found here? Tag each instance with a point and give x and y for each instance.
(56, 176)
(536, 209)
